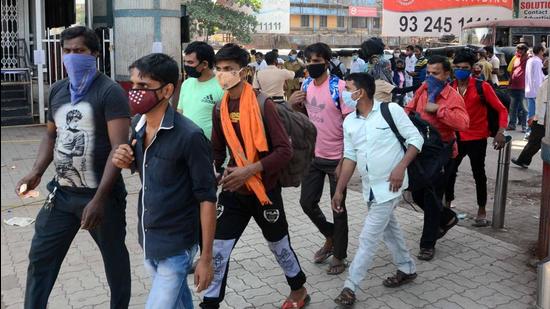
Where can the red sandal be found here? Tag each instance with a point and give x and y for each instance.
(290, 304)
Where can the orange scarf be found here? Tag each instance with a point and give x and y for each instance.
(253, 135)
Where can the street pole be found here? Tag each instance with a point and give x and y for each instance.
(501, 185)
(543, 244)
(39, 59)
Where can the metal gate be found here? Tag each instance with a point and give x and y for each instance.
(54, 62)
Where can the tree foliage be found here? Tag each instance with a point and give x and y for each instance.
(220, 16)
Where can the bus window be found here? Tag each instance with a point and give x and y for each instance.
(502, 38)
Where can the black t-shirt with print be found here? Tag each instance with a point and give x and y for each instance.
(82, 145)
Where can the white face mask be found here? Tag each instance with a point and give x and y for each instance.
(346, 96)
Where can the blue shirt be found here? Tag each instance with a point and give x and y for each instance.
(177, 174)
(370, 142)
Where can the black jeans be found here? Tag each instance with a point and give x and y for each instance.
(435, 215)
(476, 151)
(312, 189)
(533, 144)
(55, 229)
(234, 212)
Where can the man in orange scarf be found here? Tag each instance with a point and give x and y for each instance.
(259, 149)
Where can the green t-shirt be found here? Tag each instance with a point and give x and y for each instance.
(197, 99)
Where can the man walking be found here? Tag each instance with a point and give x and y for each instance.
(295, 65)
(473, 141)
(443, 107)
(250, 182)
(382, 163)
(88, 117)
(419, 73)
(201, 91)
(174, 161)
(517, 89)
(538, 128)
(495, 64)
(358, 65)
(271, 80)
(533, 79)
(320, 96)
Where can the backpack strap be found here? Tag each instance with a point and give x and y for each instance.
(385, 109)
(479, 88)
(334, 91)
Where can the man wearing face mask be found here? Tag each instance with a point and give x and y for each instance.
(419, 73)
(201, 91)
(382, 163)
(443, 107)
(250, 187)
(88, 117)
(358, 65)
(321, 98)
(295, 65)
(174, 161)
(473, 142)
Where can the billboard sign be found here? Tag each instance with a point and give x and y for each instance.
(274, 17)
(534, 9)
(433, 18)
(363, 11)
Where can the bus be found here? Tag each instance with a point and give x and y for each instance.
(503, 34)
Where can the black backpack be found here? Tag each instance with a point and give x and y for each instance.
(302, 135)
(335, 70)
(492, 114)
(435, 154)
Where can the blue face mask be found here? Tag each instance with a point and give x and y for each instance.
(346, 96)
(354, 57)
(462, 74)
(81, 70)
(292, 57)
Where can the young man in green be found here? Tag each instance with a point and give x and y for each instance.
(200, 91)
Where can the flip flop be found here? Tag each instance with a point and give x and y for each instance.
(322, 255)
(336, 269)
(443, 231)
(290, 304)
(481, 223)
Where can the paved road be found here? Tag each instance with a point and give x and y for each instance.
(473, 268)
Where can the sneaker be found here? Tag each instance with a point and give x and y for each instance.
(518, 163)
(510, 128)
(526, 136)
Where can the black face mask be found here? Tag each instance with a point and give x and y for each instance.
(192, 71)
(316, 70)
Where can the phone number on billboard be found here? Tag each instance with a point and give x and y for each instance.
(435, 24)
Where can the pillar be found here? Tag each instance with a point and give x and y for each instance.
(142, 27)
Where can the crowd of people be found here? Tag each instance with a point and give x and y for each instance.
(217, 160)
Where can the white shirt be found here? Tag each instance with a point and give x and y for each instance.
(370, 142)
(358, 66)
(410, 62)
(258, 67)
(533, 76)
(495, 62)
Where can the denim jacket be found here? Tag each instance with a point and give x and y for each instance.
(176, 173)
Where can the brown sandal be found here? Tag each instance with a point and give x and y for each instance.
(399, 279)
(336, 269)
(322, 255)
(346, 298)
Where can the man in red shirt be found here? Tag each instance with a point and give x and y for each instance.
(473, 142)
(517, 89)
(439, 104)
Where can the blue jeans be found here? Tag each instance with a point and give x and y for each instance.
(380, 223)
(517, 109)
(531, 107)
(170, 288)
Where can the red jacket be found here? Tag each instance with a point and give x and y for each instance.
(479, 125)
(449, 118)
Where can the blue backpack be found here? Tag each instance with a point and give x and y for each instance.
(332, 85)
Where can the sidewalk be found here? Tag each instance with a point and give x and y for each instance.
(470, 270)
